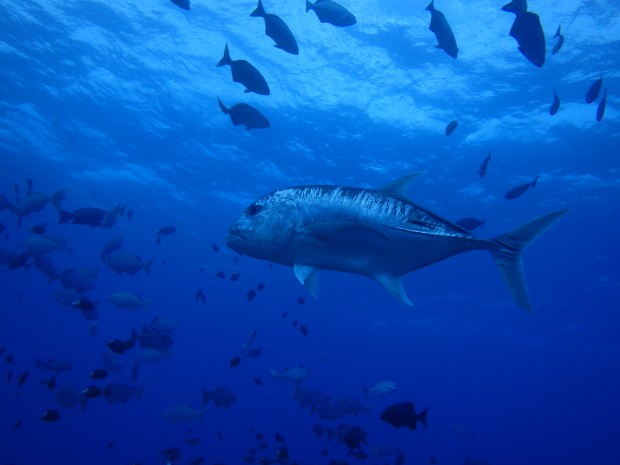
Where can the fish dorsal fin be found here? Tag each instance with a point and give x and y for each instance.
(307, 276)
(398, 188)
(392, 282)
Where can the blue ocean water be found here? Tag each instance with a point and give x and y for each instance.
(116, 103)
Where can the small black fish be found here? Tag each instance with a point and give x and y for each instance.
(245, 115)
(17, 424)
(9, 359)
(600, 110)
(251, 294)
(558, 35)
(278, 437)
(594, 90)
(294, 323)
(301, 301)
(259, 382)
(259, 436)
(331, 12)
(129, 214)
(555, 105)
(282, 454)
(84, 304)
(303, 330)
(220, 274)
(164, 231)
(284, 315)
(200, 296)
(236, 360)
(484, 165)
(184, 4)
(404, 414)
(51, 384)
(22, 379)
(215, 248)
(277, 30)
(260, 287)
(92, 392)
(520, 190)
(51, 415)
(38, 229)
(235, 276)
(451, 127)
(254, 352)
(470, 224)
(245, 74)
(110, 445)
(98, 373)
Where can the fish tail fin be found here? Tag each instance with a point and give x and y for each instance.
(57, 199)
(226, 60)
(222, 106)
(259, 11)
(206, 395)
(534, 182)
(431, 6)
(147, 266)
(507, 254)
(65, 216)
(422, 417)
(309, 6)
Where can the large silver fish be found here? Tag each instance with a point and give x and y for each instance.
(372, 232)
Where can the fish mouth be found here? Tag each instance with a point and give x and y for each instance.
(234, 237)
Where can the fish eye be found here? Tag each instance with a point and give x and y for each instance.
(254, 209)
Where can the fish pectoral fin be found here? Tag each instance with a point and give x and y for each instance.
(307, 276)
(328, 230)
(393, 283)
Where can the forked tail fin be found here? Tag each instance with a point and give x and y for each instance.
(507, 254)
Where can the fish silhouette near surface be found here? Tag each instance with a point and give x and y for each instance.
(558, 45)
(377, 233)
(600, 110)
(528, 32)
(331, 12)
(245, 73)
(484, 165)
(182, 4)
(245, 115)
(451, 127)
(277, 29)
(520, 190)
(555, 105)
(442, 30)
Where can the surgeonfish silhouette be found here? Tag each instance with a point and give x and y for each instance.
(377, 233)
(528, 32)
(600, 111)
(440, 27)
(484, 165)
(451, 127)
(520, 190)
(246, 74)
(277, 29)
(558, 45)
(555, 105)
(331, 12)
(594, 90)
(246, 115)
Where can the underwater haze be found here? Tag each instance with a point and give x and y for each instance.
(131, 333)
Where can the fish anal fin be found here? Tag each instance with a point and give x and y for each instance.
(392, 282)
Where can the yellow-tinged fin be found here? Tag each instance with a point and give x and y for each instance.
(398, 188)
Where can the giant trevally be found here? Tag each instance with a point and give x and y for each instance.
(371, 232)
(443, 32)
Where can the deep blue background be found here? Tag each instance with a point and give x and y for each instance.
(116, 102)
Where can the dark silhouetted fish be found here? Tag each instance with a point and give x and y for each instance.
(259, 382)
(246, 74)
(98, 373)
(92, 217)
(594, 90)
(221, 396)
(235, 276)
(236, 360)
(600, 110)
(250, 295)
(470, 224)
(555, 105)
(558, 45)
(200, 296)
(485, 164)
(164, 231)
(277, 30)
(451, 127)
(331, 12)
(404, 414)
(528, 32)
(215, 248)
(520, 190)
(182, 4)
(377, 233)
(303, 330)
(50, 415)
(245, 115)
(92, 392)
(440, 27)
(111, 246)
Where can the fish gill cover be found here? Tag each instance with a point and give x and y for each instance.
(130, 333)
